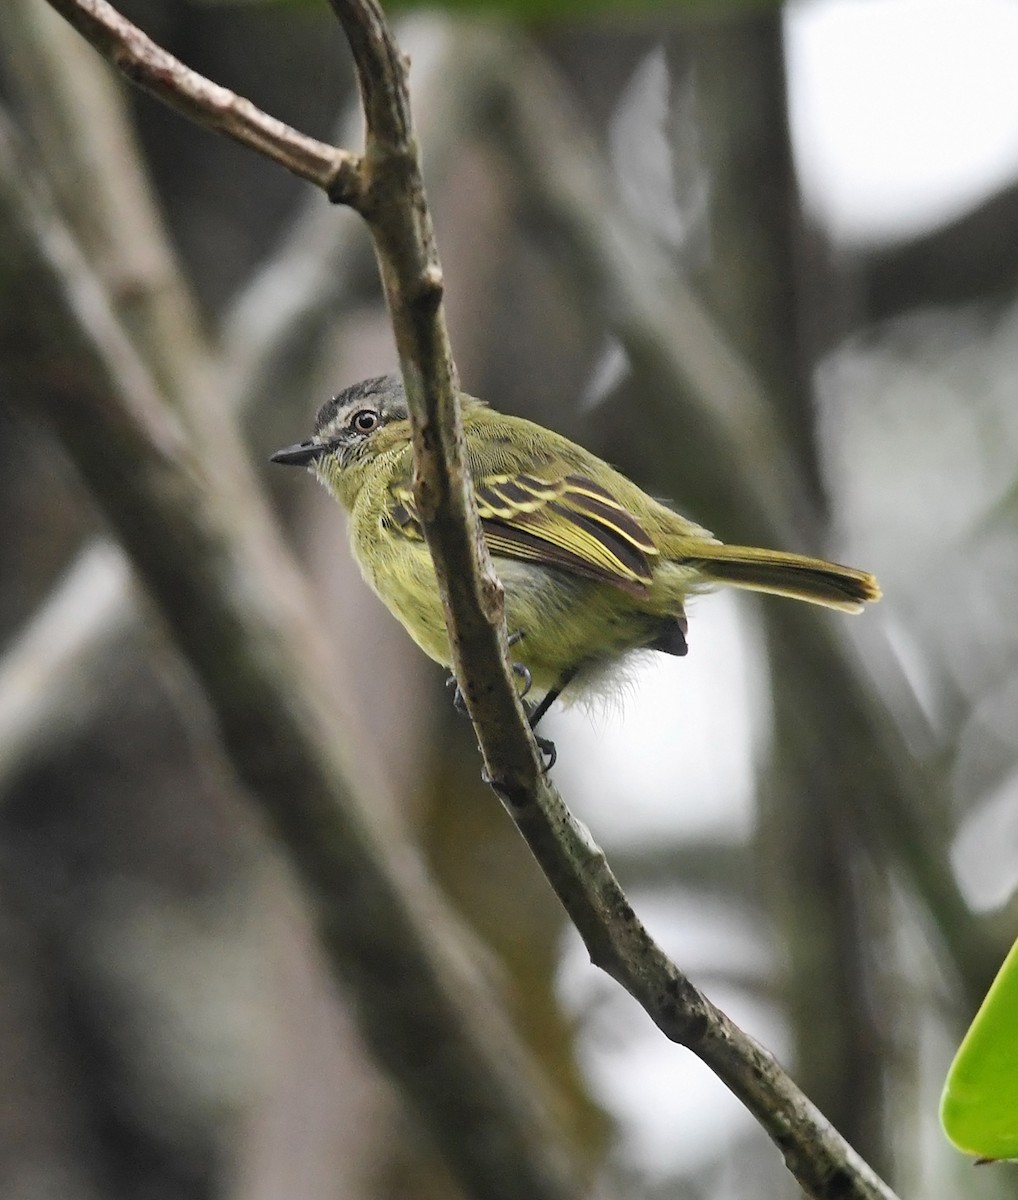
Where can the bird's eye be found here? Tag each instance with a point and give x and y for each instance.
(365, 421)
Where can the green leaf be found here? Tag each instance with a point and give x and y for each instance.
(979, 1107)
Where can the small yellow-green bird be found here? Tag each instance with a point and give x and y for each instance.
(594, 569)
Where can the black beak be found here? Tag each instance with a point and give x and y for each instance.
(299, 456)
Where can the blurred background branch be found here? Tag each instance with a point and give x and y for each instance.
(185, 509)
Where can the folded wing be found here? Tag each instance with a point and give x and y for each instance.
(559, 519)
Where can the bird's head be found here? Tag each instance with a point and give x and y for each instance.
(351, 430)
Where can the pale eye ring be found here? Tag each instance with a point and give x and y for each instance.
(365, 421)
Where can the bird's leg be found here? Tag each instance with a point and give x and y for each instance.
(551, 696)
(535, 713)
(546, 745)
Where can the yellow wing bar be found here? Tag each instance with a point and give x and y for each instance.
(566, 521)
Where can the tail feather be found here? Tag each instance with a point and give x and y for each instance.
(793, 575)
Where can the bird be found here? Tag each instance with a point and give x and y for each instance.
(594, 569)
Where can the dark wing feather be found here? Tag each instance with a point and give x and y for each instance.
(566, 521)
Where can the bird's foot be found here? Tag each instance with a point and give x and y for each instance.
(522, 673)
(458, 702)
(520, 670)
(547, 748)
(534, 712)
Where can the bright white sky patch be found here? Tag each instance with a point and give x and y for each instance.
(675, 757)
(904, 112)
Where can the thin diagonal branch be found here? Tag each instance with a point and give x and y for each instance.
(381, 76)
(154, 69)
